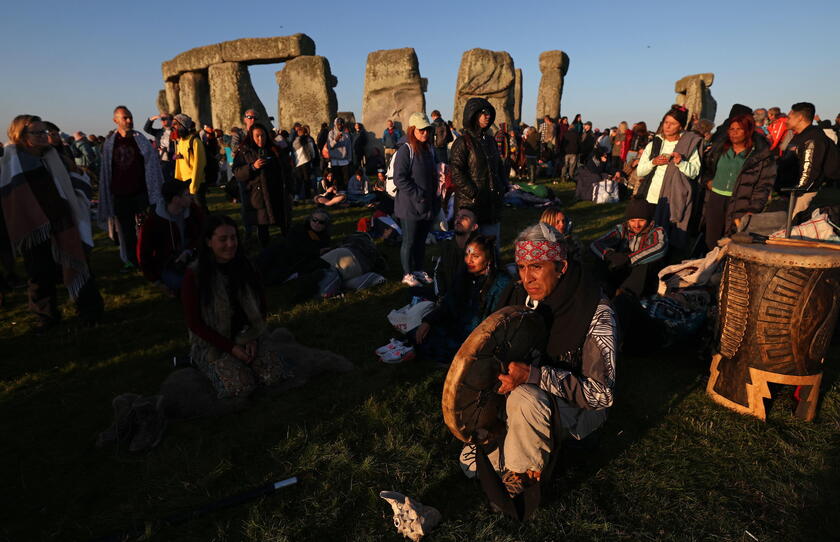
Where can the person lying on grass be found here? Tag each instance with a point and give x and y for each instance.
(224, 306)
(472, 297)
(571, 389)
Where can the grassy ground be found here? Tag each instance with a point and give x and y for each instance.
(672, 464)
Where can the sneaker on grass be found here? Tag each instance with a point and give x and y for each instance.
(393, 343)
(398, 355)
(467, 459)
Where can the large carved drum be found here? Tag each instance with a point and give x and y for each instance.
(470, 403)
(778, 308)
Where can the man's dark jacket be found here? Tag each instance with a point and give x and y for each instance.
(477, 168)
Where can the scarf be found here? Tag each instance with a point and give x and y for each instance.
(154, 175)
(217, 314)
(568, 310)
(27, 223)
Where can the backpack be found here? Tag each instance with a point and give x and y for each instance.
(831, 164)
(390, 186)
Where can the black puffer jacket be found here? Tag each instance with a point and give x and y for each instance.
(752, 189)
(477, 168)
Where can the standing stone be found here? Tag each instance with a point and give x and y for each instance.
(693, 92)
(553, 65)
(194, 95)
(393, 88)
(231, 94)
(305, 93)
(173, 99)
(162, 103)
(485, 74)
(517, 97)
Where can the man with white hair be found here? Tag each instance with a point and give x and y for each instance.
(567, 393)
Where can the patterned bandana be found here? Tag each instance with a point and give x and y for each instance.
(538, 251)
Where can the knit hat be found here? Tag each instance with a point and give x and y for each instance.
(679, 113)
(184, 120)
(419, 120)
(637, 208)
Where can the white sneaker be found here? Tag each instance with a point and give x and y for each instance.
(467, 459)
(398, 355)
(410, 280)
(393, 343)
(422, 276)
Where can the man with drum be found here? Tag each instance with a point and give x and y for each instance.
(568, 392)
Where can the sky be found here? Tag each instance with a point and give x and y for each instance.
(72, 62)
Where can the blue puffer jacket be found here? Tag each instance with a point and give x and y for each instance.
(416, 180)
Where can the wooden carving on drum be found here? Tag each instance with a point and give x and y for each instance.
(778, 309)
(471, 406)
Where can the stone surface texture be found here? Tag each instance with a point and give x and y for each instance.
(517, 96)
(247, 50)
(231, 94)
(194, 95)
(393, 88)
(162, 103)
(693, 92)
(553, 65)
(485, 74)
(305, 93)
(173, 98)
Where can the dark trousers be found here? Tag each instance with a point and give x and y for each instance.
(715, 216)
(413, 249)
(43, 274)
(127, 209)
(303, 186)
(341, 174)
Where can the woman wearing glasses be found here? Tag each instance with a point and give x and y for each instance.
(47, 215)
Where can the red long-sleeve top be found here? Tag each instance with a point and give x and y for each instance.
(191, 302)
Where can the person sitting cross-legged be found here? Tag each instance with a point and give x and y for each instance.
(630, 250)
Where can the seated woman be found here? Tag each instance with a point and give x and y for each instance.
(298, 254)
(472, 297)
(329, 194)
(556, 218)
(358, 189)
(224, 306)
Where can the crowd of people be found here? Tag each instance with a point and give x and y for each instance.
(684, 181)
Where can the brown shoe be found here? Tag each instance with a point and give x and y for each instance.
(517, 482)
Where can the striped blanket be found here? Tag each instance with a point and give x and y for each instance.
(27, 222)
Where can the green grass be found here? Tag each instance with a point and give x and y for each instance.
(672, 465)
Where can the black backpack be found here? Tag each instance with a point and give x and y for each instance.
(831, 164)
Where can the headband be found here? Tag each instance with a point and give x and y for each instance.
(538, 251)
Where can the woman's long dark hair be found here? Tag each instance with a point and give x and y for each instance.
(251, 142)
(488, 245)
(241, 272)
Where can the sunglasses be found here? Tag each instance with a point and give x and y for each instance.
(319, 220)
(250, 117)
